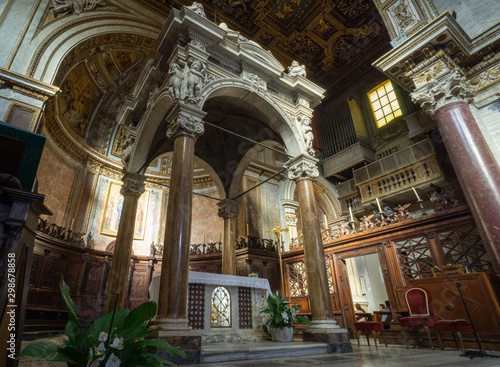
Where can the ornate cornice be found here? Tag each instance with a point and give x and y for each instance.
(444, 90)
(26, 85)
(302, 166)
(228, 208)
(133, 184)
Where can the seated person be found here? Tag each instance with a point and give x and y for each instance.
(358, 309)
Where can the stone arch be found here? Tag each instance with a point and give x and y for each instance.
(54, 43)
(279, 119)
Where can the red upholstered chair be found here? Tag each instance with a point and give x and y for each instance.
(458, 326)
(369, 326)
(419, 302)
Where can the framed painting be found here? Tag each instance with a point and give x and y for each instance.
(113, 211)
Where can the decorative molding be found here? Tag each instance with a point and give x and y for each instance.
(440, 92)
(302, 166)
(185, 120)
(26, 85)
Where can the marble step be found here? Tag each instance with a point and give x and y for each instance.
(225, 352)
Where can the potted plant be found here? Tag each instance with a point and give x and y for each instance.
(280, 317)
(115, 339)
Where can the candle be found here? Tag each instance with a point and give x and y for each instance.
(248, 232)
(350, 212)
(378, 203)
(325, 221)
(416, 194)
(220, 237)
(72, 221)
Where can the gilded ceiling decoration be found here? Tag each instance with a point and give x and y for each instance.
(95, 79)
(331, 37)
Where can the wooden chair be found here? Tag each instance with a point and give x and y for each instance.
(419, 302)
(453, 326)
(372, 327)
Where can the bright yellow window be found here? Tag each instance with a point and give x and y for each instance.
(384, 103)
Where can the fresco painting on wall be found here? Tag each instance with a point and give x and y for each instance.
(113, 211)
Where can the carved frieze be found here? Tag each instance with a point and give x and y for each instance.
(77, 7)
(437, 93)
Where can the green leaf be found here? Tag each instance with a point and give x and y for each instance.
(73, 329)
(103, 322)
(303, 319)
(45, 350)
(137, 333)
(140, 315)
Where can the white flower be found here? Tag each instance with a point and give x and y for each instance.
(113, 361)
(103, 336)
(117, 343)
(101, 347)
(95, 363)
(285, 316)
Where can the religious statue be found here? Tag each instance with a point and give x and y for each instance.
(401, 213)
(74, 6)
(307, 133)
(443, 199)
(127, 150)
(343, 230)
(194, 78)
(296, 70)
(366, 223)
(197, 8)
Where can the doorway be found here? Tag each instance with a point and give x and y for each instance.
(366, 282)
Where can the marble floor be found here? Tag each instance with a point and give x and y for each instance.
(363, 356)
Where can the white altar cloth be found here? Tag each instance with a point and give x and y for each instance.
(215, 279)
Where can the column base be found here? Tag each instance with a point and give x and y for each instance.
(324, 327)
(171, 324)
(338, 340)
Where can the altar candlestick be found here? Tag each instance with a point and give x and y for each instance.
(350, 212)
(325, 220)
(378, 203)
(72, 221)
(416, 194)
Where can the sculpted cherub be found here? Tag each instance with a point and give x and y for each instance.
(175, 83)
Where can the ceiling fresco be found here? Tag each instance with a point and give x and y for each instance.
(331, 37)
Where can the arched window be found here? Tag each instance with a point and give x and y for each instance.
(221, 308)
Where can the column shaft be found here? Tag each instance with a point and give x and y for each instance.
(175, 267)
(228, 249)
(120, 264)
(477, 171)
(319, 293)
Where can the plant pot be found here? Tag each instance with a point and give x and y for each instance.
(282, 335)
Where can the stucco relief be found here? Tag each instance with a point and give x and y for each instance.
(402, 15)
(76, 7)
(187, 82)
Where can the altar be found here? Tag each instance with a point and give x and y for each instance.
(223, 308)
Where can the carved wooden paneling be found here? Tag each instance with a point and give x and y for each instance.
(51, 273)
(93, 280)
(298, 279)
(35, 269)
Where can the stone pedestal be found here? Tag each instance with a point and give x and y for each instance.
(338, 342)
(133, 187)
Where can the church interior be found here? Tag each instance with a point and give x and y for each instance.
(341, 154)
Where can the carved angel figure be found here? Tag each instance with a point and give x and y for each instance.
(175, 83)
(307, 133)
(74, 6)
(127, 150)
(296, 70)
(343, 230)
(366, 223)
(401, 213)
(197, 8)
(194, 78)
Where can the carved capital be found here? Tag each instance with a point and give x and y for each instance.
(185, 120)
(133, 184)
(228, 208)
(439, 92)
(302, 166)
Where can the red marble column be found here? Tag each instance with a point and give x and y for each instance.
(184, 127)
(133, 187)
(228, 209)
(317, 278)
(477, 171)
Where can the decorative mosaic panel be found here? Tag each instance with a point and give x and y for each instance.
(297, 278)
(220, 312)
(245, 307)
(464, 246)
(196, 305)
(411, 253)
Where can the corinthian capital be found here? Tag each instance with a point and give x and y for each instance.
(133, 184)
(185, 120)
(441, 91)
(302, 166)
(228, 208)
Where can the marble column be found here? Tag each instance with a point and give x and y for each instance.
(478, 172)
(133, 187)
(185, 125)
(228, 209)
(303, 170)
